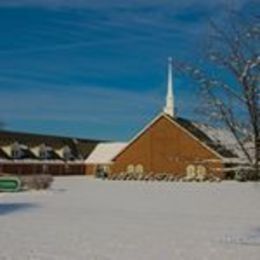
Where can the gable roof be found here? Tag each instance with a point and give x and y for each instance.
(193, 131)
(104, 153)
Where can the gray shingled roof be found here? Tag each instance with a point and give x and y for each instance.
(81, 148)
(204, 136)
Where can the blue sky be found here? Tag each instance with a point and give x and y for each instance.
(97, 69)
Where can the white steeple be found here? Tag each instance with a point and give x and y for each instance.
(169, 108)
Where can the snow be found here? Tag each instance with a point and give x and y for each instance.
(104, 153)
(84, 218)
(224, 137)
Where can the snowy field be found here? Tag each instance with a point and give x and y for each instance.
(83, 218)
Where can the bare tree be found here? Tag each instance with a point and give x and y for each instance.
(230, 82)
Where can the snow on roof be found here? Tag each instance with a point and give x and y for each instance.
(104, 153)
(223, 137)
(217, 134)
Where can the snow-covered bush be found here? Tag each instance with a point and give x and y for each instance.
(245, 175)
(36, 182)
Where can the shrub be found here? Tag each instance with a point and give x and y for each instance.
(152, 178)
(126, 176)
(242, 175)
(159, 176)
(141, 176)
(114, 177)
(36, 182)
(120, 176)
(146, 177)
(171, 178)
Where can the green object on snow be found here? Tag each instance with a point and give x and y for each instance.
(10, 184)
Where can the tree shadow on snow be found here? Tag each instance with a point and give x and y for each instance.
(9, 208)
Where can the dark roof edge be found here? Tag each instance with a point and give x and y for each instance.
(11, 132)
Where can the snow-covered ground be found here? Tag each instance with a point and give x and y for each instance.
(83, 218)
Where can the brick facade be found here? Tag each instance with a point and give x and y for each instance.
(166, 147)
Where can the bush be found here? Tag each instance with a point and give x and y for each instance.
(172, 178)
(141, 176)
(36, 182)
(159, 176)
(121, 176)
(244, 175)
(114, 177)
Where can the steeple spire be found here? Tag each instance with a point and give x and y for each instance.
(169, 108)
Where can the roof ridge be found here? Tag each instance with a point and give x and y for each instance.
(55, 136)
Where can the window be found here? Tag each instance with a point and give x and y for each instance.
(201, 170)
(130, 168)
(43, 152)
(139, 168)
(191, 171)
(67, 153)
(16, 151)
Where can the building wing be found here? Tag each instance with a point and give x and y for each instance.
(104, 153)
(30, 145)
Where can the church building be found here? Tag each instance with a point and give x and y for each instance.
(26, 153)
(168, 144)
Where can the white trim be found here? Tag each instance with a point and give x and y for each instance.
(176, 124)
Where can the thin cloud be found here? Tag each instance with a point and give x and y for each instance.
(131, 24)
(119, 3)
(80, 103)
